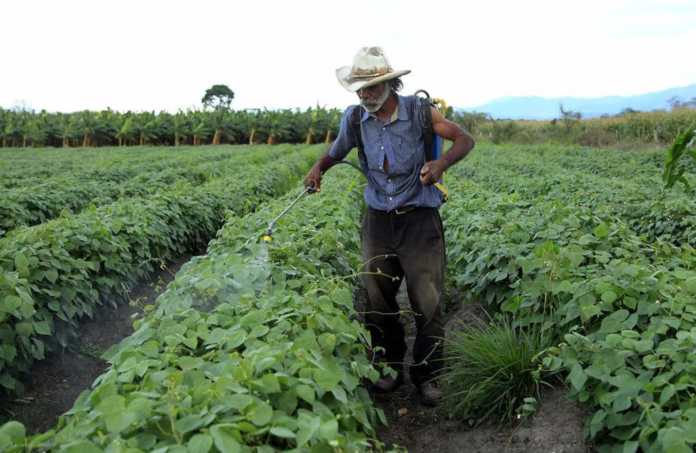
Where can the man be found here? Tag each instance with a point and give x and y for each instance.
(402, 233)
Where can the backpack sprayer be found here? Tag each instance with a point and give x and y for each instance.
(437, 142)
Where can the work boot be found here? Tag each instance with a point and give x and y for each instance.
(388, 384)
(430, 394)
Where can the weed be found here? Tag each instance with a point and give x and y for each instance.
(492, 370)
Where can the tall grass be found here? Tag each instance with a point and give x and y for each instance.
(657, 128)
(490, 369)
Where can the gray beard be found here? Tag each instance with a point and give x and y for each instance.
(372, 107)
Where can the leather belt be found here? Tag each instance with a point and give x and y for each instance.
(401, 211)
(406, 210)
(397, 211)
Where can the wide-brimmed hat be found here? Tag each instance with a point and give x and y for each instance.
(370, 67)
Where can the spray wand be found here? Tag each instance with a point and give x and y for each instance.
(268, 237)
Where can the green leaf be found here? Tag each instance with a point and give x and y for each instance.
(601, 231)
(261, 413)
(308, 427)
(630, 447)
(116, 225)
(609, 296)
(22, 264)
(577, 377)
(189, 423)
(239, 402)
(597, 422)
(270, 384)
(225, 438)
(51, 275)
(7, 381)
(614, 322)
(667, 393)
(673, 440)
(326, 379)
(652, 362)
(42, 328)
(119, 421)
(621, 402)
(327, 341)
(236, 339)
(690, 285)
(340, 395)
(306, 393)
(285, 433)
(24, 329)
(80, 446)
(15, 431)
(329, 429)
(200, 443)
(10, 304)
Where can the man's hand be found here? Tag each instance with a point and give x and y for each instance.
(432, 171)
(313, 179)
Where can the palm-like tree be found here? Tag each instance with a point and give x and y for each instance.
(126, 132)
(37, 130)
(3, 120)
(85, 122)
(14, 129)
(333, 120)
(181, 127)
(65, 129)
(216, 119)
(310, 120)
(201, 130)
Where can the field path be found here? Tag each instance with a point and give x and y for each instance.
(557, 426)
(55, 383)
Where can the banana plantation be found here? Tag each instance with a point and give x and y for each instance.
(193, 127)
(312, 125)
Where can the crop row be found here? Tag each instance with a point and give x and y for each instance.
(622, 184)
(57, 272)
(17, 167)
(251, 348)
(109, 170)
(619, 303)
(31, 205)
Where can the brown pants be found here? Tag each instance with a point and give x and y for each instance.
(416, 240)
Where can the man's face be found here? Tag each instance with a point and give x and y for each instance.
(372, 98)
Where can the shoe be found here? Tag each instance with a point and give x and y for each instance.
(430, 394)
(388, 384)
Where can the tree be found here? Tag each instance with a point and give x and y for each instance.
(218, 97)
(569, 117)
(674, 102)
(181, 126)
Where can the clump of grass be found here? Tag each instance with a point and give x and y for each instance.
(490, 369)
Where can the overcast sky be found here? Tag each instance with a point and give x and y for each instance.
(161, 55)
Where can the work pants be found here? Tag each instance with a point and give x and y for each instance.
(415, 239)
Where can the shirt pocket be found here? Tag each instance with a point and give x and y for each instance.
(408, 153)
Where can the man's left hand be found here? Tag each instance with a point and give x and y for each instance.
(432, 171)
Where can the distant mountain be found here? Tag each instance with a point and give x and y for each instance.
(518, 107)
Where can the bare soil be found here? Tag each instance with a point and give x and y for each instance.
(54, 384)
(556, 427)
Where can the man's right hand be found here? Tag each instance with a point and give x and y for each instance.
(313, 179)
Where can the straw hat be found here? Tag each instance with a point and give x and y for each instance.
(370, 67)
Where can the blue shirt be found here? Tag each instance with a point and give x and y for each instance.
(400, 141)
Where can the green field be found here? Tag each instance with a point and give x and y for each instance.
(255, 347)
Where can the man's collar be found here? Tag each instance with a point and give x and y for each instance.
(400, 108)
